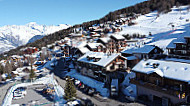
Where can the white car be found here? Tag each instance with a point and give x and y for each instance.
(17, 95)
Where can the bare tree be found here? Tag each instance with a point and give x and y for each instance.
(8, 68)
(20, 64)
(31, 61)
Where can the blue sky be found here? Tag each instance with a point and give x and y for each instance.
(54, 12)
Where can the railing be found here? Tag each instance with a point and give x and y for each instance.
(174, 54)
(155, 87)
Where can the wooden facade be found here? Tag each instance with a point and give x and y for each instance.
(100, 72)
(174, 90)
(181, 50)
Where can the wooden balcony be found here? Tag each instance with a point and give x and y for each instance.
(155, 87)
(179, 55)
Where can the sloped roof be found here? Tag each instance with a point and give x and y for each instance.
(94, 45)
(172, 45)
(105, 39)
(144, 50)
(84, 49)
(168, 69)
(118, 36)
(104, 58)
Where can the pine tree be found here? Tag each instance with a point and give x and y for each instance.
(32, 74)
(70, 90)
(2, 69)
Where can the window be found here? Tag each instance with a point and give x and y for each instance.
(183, 46)
(112, 67)
(184, 52)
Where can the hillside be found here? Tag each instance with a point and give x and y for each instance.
(161, 6)
(163, 27)
(12, 36)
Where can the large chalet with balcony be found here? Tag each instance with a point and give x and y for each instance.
(96, 47)
(180, 48)
(98, 65)
(114, 43)
(162, 82)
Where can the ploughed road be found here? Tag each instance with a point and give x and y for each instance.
(97, 100)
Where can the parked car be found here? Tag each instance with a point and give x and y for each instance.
(52, 64)
(86, 89)
(91, 91)
(74, 103)
(86, 102)
(131, 98)
(21, 90)
(77, 82)
(18, 95)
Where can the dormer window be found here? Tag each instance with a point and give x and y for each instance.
(96, 59)
(88, 58)
(155, 65)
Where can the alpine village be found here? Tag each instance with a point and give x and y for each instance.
(134, 56)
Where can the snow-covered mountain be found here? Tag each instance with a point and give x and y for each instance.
(12, 36)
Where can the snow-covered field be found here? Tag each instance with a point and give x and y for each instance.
(160, 26)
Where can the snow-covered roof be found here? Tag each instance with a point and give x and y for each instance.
(131, 58)
(4, 75)
(118, 36)
(96, 35)
(84, 49)
(16, 56)
(129, 50)
(94, 45)
(104, 58)
(96, 30)
(15, 72)
(145, 49)
(168, 69)
(105, 39)
(81, 44)
(187, 36)
(180, 40)
(171, 44)
(76, 34)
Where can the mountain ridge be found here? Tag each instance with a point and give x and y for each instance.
(12, 36)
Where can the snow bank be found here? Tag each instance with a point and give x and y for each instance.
(99, 86)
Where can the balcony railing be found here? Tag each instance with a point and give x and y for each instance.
(155, 87)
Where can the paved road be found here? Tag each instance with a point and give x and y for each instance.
(99, 101)
(3, 91)
(34, 94)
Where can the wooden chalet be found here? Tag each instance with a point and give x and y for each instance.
(145, 52)
(165, 83)
(96, 47)
(180, 48)
(98, 65)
